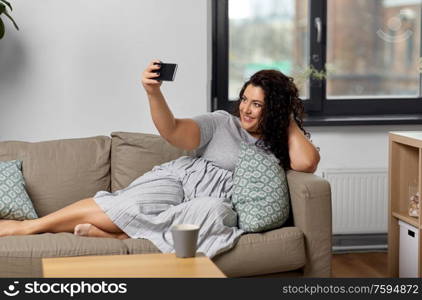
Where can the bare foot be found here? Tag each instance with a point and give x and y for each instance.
(82, 229)
(11, 227)
(93, 231)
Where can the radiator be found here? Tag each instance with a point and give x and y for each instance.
(359, 200)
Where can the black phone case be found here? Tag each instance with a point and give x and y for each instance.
(167, 72)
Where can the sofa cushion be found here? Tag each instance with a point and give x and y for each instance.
(14, 200)
(20, 256)
(140, 246)
(260, 190)
(133, 154)
(274, 251)
(58, 173)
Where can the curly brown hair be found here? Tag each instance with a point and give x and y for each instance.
(281, 101)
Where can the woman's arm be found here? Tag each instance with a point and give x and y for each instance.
(182, 133)
(304, 157)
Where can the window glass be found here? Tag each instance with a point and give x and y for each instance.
(373, 48)
(268, 34)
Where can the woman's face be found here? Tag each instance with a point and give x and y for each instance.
(250, 109)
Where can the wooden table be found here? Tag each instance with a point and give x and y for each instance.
(136, 265)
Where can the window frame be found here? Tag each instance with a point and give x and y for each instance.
(319, 109)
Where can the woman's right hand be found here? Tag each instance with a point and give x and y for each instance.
(151, 85)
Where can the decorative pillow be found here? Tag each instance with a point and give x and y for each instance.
(260, 191)
(14, 201)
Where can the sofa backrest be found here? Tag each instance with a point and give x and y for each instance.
(133, 154)
(58, 173)
(61, 172)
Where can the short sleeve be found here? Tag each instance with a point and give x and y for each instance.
(208, 124)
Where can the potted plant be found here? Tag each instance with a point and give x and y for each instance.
(3, 10)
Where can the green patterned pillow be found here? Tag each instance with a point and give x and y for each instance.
(14, 201)
(260, 190)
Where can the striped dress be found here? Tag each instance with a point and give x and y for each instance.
(188, 190)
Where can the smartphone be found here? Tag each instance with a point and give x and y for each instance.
(167, 71)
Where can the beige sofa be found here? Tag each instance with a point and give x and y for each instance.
(60, 172)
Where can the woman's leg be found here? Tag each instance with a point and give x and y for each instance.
(93, 231)
(63, 220)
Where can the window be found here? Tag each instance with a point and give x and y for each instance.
(355, 62)
(266, 34)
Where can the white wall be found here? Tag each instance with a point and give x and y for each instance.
(73, 70)
(345, 147)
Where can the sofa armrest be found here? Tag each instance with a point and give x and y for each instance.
(311, 204)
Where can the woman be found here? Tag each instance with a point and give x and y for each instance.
(269, 115)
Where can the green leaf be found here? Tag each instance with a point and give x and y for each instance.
(2, 8)
(1, 29)
(11, 19)
(7, 3)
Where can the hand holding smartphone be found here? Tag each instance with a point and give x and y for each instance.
(167, 71)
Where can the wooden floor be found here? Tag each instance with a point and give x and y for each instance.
(369, 265)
